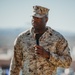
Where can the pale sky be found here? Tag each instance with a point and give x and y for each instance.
(17, 13)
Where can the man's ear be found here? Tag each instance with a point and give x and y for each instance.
(46, 19)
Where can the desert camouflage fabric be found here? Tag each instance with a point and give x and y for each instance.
(31, 64)
(40, 10)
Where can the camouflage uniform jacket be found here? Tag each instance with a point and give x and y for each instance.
(25, 58)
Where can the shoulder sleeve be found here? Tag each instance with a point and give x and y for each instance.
(16, 62)
(62, 57)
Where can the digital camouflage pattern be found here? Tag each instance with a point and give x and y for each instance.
(24, 54)
(40, 11)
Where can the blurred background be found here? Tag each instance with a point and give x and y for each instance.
(16, 15)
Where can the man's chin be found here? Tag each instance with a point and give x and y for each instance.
(36, 27)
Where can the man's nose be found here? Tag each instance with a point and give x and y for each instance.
(33, 20)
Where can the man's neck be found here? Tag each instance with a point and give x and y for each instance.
(40, 31)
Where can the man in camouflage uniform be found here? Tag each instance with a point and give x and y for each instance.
(42, 59)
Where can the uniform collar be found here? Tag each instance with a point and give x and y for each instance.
(45, 34)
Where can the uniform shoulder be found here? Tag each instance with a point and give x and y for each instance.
(58, 35)
(24, 33)
(21, 36)
(54, 32)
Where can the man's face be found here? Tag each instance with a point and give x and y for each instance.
(38, 23)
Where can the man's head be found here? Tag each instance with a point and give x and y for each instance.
(40, 17)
